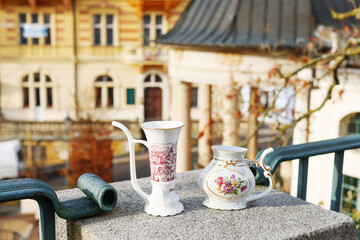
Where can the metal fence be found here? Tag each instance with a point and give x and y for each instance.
(303, 152)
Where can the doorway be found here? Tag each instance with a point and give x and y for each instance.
(152, 104)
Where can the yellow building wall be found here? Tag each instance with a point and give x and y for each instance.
(176, 12)
(124, 61)
(61, 74)
(61, 30)
(127, 27)
(123, 76)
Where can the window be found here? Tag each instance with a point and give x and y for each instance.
(130, 96)
(354, 124)
(153, 78)
(153, 27)
(159, 25)
(36, 77)
(350, 194)
(48, 30)
(49, 92)
(98, 97)
(25, 97)
(41, 28)
(22, 21)
(103, 26)
(110, 96)
(38, 85)
(157, 78)
(49, 97)
(146, 26)
(148, 78)
(35, 19)
(104, 92)
(97, 29)
(109, 30)
(37, 97)
(25, 88)
(194, 97)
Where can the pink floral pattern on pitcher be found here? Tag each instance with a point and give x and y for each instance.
(230, 185)
(162, 162)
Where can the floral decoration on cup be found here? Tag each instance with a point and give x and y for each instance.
(231, 185)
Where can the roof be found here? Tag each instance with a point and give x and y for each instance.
(243, 23)
(253, 23)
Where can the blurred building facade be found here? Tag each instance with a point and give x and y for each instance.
(95, 59)
(339, 117)
(85, 59)
(223, 47)
(231, 49)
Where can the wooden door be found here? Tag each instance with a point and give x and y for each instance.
(153, 103)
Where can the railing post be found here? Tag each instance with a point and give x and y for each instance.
(47, 219)
(302, 178)
(337, 181)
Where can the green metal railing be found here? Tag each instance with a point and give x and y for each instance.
(303, 152)
(100, 197)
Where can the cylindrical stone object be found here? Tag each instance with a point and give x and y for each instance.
(98, 190)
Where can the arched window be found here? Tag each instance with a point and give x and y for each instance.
(40, 85)
(153, 78)
(104, 92)
(147, 79)
(353, 126)
(350, 124)
(157, 78)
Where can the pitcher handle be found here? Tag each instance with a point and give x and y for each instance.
(132, 143)
(267, 174)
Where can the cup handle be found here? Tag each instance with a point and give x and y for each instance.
(132, 143)
(267, 174)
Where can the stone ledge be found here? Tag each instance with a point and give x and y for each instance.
(277, 216)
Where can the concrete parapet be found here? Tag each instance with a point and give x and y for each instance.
(277, 216)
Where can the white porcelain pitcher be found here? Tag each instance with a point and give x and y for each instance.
(162, 137)
(228, 181)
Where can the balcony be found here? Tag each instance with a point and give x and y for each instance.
(146, 55)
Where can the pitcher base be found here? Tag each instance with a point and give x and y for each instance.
(164, 209)
(163, 200)
(223, 205)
